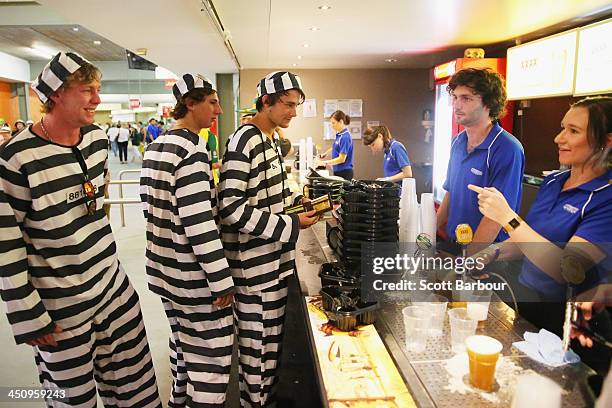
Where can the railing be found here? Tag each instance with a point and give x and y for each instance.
(121, 200)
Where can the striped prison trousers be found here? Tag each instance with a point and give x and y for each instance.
(260, 317)
(201, 342)
(109, 353)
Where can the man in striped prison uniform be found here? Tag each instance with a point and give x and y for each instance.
(185, 262)
(259, 240)
(64, 290)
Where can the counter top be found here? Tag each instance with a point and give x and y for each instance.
(437, 377)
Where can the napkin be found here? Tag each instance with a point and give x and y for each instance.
(546, 348)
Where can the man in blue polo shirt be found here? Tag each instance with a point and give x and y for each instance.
(483, 154)
(153, 131)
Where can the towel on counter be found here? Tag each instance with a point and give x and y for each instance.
(546, 348)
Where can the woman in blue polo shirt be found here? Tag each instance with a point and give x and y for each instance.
(396, 164)
(572, 214)
(342, 149)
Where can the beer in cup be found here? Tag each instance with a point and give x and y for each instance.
(483, 352)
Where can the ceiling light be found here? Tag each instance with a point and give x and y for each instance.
(306, 45)
(97, 42)
(324, 7)
(75, 28)
(299, 57)
(295, 65)
(314, 28)
(390, 60)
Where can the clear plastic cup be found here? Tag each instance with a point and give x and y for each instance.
(478, 305)
(483, 352)
(436, 306)
(462, 327)
(416, 327)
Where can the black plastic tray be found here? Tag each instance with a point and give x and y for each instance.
(367, 230)
(340, 273)
(368, 209)
(374, 187)
(375, 220)
(347, 320)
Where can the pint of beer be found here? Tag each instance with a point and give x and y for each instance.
(483, 352)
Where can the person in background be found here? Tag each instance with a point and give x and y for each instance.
(211, 143)
(64, 291)
(136, 139)
(152, 131)
(571, 216)
(19, 126)
(113, 133)
(342, 149)
(5, 133)
(258, 238)
(396, 164)
(483, 154)
(122, 142)
(185, 261)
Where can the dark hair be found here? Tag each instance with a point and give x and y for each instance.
(83, 75)
(371, 134)
(275, 97)
(195, 95)
(486, 83)
(598, 128)
(341, 116)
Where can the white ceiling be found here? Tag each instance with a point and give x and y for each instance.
(180, 35)
(363, 33)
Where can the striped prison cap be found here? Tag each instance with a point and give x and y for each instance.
(188, 82)
(54, 74)
(278, 81)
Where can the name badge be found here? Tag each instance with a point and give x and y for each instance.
(476, 171)
(570, 208)
(78, 194)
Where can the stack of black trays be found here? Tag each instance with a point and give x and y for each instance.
(368, 213)
(319, 186)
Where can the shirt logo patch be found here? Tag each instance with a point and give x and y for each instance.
(476, 171)
(273, 166)
(78, 194)
(570, 208)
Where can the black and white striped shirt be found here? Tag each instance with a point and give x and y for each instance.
(259, 240)
(185, 259)
(57, 263)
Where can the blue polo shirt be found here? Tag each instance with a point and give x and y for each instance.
(154, 131)
(343, 144)
(584, 211)
(499, 161)
(396, 158)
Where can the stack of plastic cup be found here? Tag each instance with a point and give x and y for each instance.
(461, 327)
(416, 327)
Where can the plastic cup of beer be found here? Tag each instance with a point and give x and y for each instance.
(461, 327)
(478, 305)
(483, 353)
(416, 327)
(436, 305)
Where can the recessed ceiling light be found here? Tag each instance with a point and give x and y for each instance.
(96, 42)
(314, 28)
(390, 60)
(324, 7)
(75, 28)
(295, 65)
(299, 57)
(305, 45)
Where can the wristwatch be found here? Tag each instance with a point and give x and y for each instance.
(513, 224)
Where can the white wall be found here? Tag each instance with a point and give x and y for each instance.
(13, 68)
